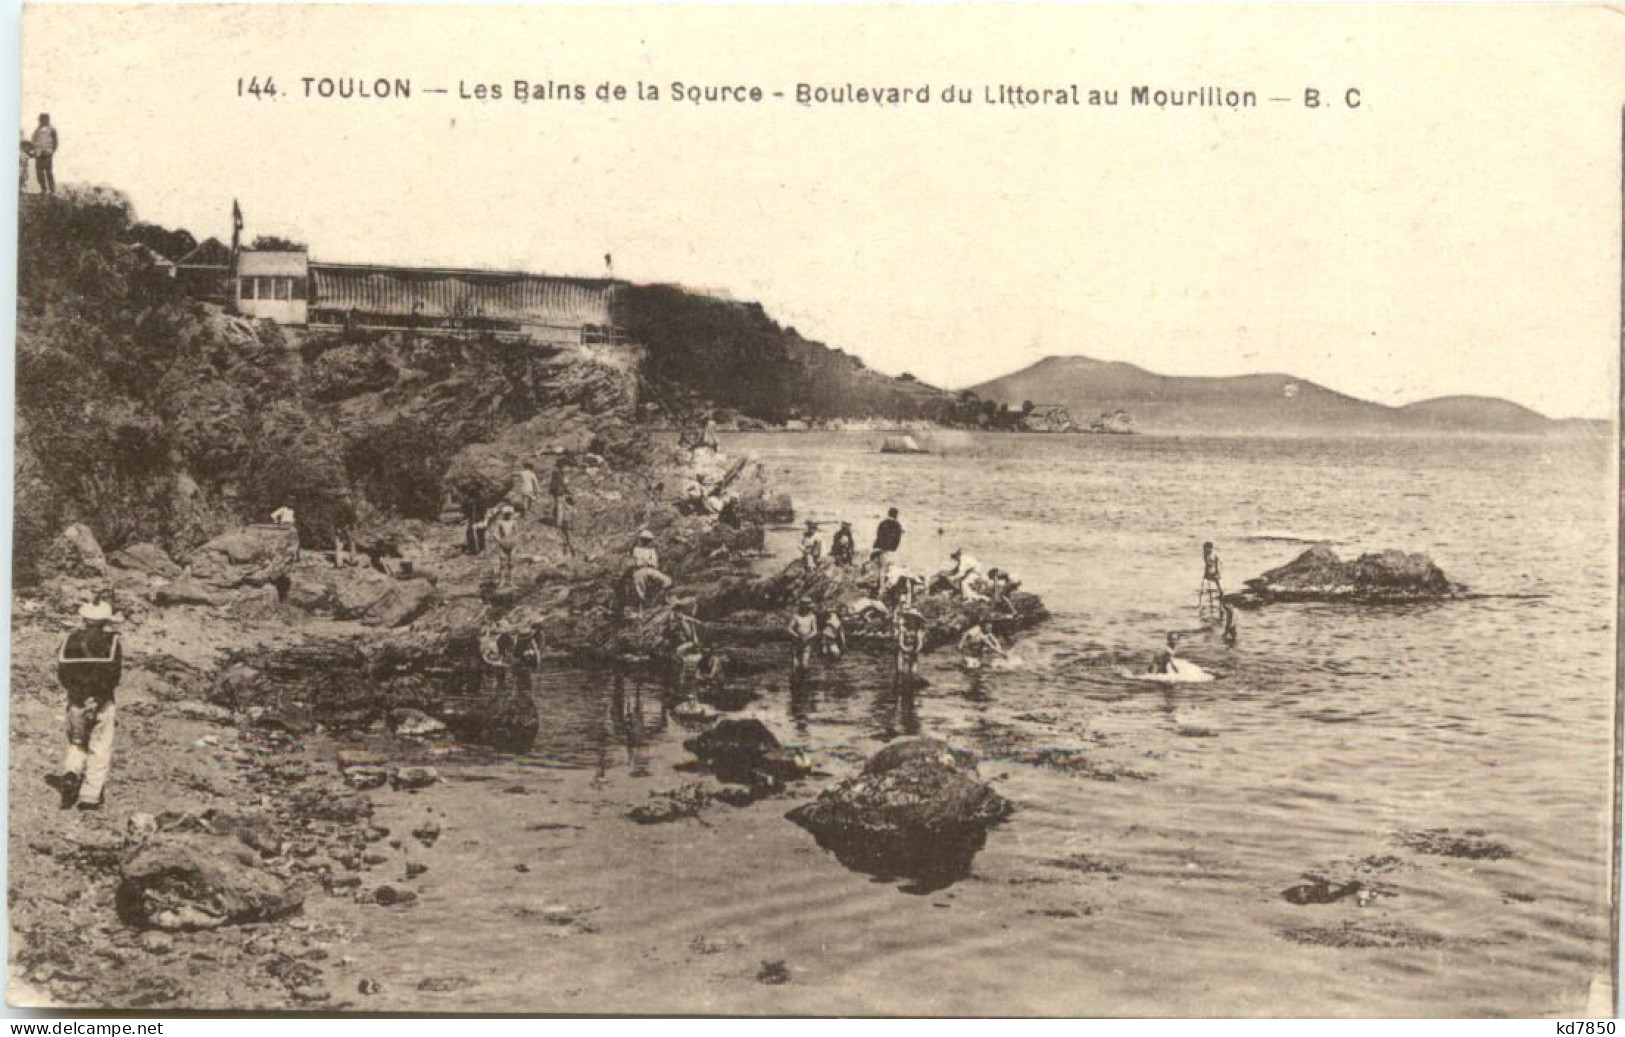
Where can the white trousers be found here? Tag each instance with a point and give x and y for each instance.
(90, 747)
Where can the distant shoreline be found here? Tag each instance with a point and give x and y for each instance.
(1606, 433)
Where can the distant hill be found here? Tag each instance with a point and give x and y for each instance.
(1250, 403)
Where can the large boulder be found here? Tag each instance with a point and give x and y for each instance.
(253, 556)
(252, 545)
(919, 810)
(185, 590)
(74, 552)
(145, 558)
(1319, 575)
(310, 590)
(357, 591)
(197, 882)
(375, 598)
(402, 602)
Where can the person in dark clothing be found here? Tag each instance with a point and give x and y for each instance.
(889, 534)
(88, 666)
(559, 489)
(888, 538)
(45, 144)
(474, 514)
(843, 549)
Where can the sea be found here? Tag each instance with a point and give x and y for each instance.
(1395, 811)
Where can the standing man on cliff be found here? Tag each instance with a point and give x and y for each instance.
(45, 145)
(88, 666)
(888, 538)
(559, 489)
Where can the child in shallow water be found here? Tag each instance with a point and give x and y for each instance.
(1167, 658)
(978, 644)
(832, 634)
(803, 636)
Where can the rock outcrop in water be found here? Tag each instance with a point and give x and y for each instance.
(756, 611)
(919, 810)
(745, 752)
(1319, 575)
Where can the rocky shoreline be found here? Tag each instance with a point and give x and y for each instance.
(235, 808)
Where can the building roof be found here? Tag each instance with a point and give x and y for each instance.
(151, 255)
(209, 253)
(273, 264)
(449, 292)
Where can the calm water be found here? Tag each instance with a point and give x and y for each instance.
(1147, 877)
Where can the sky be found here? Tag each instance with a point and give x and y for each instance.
(1458, 233)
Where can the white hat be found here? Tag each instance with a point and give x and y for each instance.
(644, 534)
(96, 610)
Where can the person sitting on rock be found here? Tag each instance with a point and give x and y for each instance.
(1000, 585)
(686, 632)
(812, 549)
(88, 666)
(532, 644)
(958, 579)
(803, 636)
(843, 548)
(977, 643)
(910, 642)
(648, 582)
(831, 634)
(693, 501)
(685, 638)
(900, 586)
(1167, 658)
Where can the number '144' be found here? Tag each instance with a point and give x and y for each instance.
(253, 86)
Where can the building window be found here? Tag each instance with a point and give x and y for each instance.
(299, 288)
(284, 289)
(248, 288)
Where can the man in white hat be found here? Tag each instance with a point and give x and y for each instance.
(88, 666)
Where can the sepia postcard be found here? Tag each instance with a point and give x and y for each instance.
(817, 511)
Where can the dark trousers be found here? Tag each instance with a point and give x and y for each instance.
(42, 169)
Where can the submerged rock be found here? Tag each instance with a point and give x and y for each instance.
(1319, 575)
(746, 752)
(195, 882)
(919, 810)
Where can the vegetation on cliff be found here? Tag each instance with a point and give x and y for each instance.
(149, 416)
